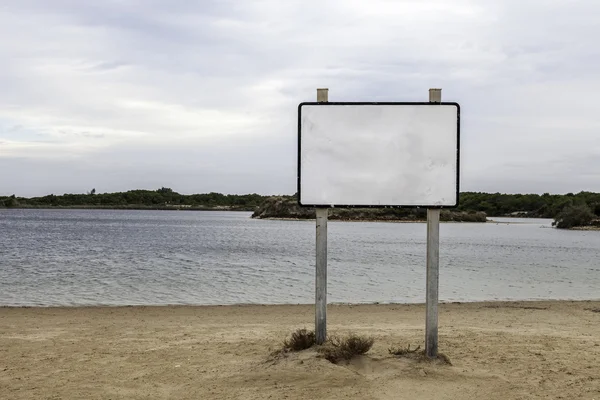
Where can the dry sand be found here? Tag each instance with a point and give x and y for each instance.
(524, 350)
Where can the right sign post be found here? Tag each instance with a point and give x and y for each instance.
(433, 258)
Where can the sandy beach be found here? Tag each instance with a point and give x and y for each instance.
(515, 350)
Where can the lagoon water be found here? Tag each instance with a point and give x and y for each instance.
(110, 257)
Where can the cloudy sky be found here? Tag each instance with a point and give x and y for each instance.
(202, 96)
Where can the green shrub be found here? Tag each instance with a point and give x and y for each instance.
(572, 216)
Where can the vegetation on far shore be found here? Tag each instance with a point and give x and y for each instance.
(576, 216)
(286, 207)
(569, 210)
(161, 199)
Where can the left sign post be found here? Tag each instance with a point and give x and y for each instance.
(321, 259)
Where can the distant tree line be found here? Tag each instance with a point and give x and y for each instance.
(527, 205)
(163, 198)
(582, 206)
(287, 207)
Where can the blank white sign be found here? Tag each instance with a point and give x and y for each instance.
(390, 154)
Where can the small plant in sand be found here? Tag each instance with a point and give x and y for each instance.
(340, 349)
(301, 339)
(401, 351)
(415, 354)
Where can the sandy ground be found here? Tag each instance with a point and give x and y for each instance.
(526, 350)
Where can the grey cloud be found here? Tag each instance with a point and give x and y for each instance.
(137, 93)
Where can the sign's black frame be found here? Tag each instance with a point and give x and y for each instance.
(333, 103)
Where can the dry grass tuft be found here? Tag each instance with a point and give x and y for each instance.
(417, 355)
(339, 349)
(301, 339)
(400, 351)
(444, 359)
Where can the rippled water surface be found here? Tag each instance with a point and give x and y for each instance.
(91, 257)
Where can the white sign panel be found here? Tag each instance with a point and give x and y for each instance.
(378, 154)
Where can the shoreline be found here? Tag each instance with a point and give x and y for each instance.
(504, 303)
(420, 221)
(112, 208)
(585, 228)
(127, 208)
(150, 208)
(142, 208)
(498, 350)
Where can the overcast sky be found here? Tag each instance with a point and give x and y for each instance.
(202, 96)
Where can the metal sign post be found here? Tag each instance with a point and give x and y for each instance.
(321, 267)
(433, 266)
